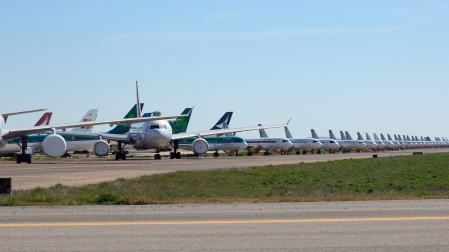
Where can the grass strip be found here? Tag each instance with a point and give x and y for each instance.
(400, 177)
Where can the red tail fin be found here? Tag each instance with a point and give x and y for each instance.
(45, 119)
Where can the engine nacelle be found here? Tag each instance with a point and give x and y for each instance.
(200, 146)
(54, 145)
(254, 149)
(101, 148)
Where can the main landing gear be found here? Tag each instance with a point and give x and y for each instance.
(175, 154)
(23, 157)
(120, 154)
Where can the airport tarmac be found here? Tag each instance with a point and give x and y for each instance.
(79, 172)
(414, 225)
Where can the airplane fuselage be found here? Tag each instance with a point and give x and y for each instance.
(305, 143)
(217, 143)
(151, 135)
(270, 143)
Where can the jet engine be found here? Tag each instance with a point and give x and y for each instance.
(54, 145)
(200, 146)
(254, 149)
(101, 148)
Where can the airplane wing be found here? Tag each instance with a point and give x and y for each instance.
(8, 134)
(5, 115)
(219, 132)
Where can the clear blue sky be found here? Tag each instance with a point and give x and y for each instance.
(368, 66)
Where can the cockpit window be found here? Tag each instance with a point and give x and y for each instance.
(284, 141)
(157, 126)
(316, 141)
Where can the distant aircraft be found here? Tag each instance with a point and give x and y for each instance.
(347, 145)
(388, 144)
(329, 145)
(370, 144)
(303, 144)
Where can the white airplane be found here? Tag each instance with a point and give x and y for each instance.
(228, 143)
(397, 144)
(380, 143)
(388, 144)
(35, 141)
(348, 145)
(370, 144)
(54, 144)
(327, 144)
(298, 143)
(156, 134)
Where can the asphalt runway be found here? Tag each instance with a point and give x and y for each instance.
(415, 225)
(79, 172)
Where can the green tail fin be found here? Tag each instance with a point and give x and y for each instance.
(180, 125)
(120, 129)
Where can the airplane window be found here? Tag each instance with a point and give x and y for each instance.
(316, 141)
(284, 141)
(154, 127)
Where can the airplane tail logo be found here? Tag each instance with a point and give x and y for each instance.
(45, 119)
(223, 122)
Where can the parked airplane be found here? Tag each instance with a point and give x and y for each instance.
(388, 144)
(230, 144)
(329, 145)
(380, 144)
(54, 144)
(35, 141)
(370, 144)
(347, 145)
(303, 144)
(156, 134)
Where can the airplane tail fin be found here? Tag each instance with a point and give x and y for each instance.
(343, 137)
(224, 121)
(389, 137)
(359, 136)
(120, 129)
(287, 133)
(262, 132)
(348, 137)
(91, 115)
(45, 119)
(314, 134)
(382, 137)
(331, 135)
(375, 137)
(367, 136)
(180, 124)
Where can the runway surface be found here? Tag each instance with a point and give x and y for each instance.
(417, 225)
(79, 172)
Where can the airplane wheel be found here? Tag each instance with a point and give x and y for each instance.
(215, 154)
(178, 155)
(298, 152)
(249, 154)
